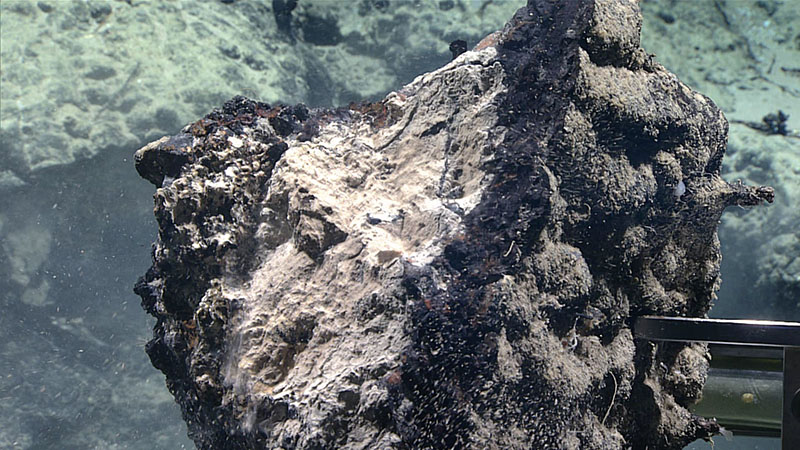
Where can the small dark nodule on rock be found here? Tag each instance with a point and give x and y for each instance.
(458, 47)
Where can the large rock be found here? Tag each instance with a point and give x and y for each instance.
(456, 266)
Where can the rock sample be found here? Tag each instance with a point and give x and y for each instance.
(456, 266)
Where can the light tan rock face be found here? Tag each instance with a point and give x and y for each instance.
(456, 266)
(324, 318)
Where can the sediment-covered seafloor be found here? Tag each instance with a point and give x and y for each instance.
(455, 266)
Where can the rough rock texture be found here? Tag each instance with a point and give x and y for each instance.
(85, 83)
(456, 266)
(746, 56)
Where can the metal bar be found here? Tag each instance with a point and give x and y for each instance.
(743, 333)
(790, 432)
(747, 353)
(740, 332)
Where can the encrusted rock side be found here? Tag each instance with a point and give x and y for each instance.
(456, 266)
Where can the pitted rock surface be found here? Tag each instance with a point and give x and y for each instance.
(455, 266)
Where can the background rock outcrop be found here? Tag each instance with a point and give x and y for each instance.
(455, 266)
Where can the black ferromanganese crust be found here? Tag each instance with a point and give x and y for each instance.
(600, 199)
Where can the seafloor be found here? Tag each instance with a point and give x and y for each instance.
(83, 84)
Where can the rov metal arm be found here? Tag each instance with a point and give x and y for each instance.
(746, 338)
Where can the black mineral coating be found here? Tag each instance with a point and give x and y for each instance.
(235, 114)
(309, 131)
(148, 292)
(166, 161)
(240, 106)
(289, 120)
(277, 150)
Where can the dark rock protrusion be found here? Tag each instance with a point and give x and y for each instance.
(458, 47)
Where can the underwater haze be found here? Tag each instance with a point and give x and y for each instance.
(85, 83)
